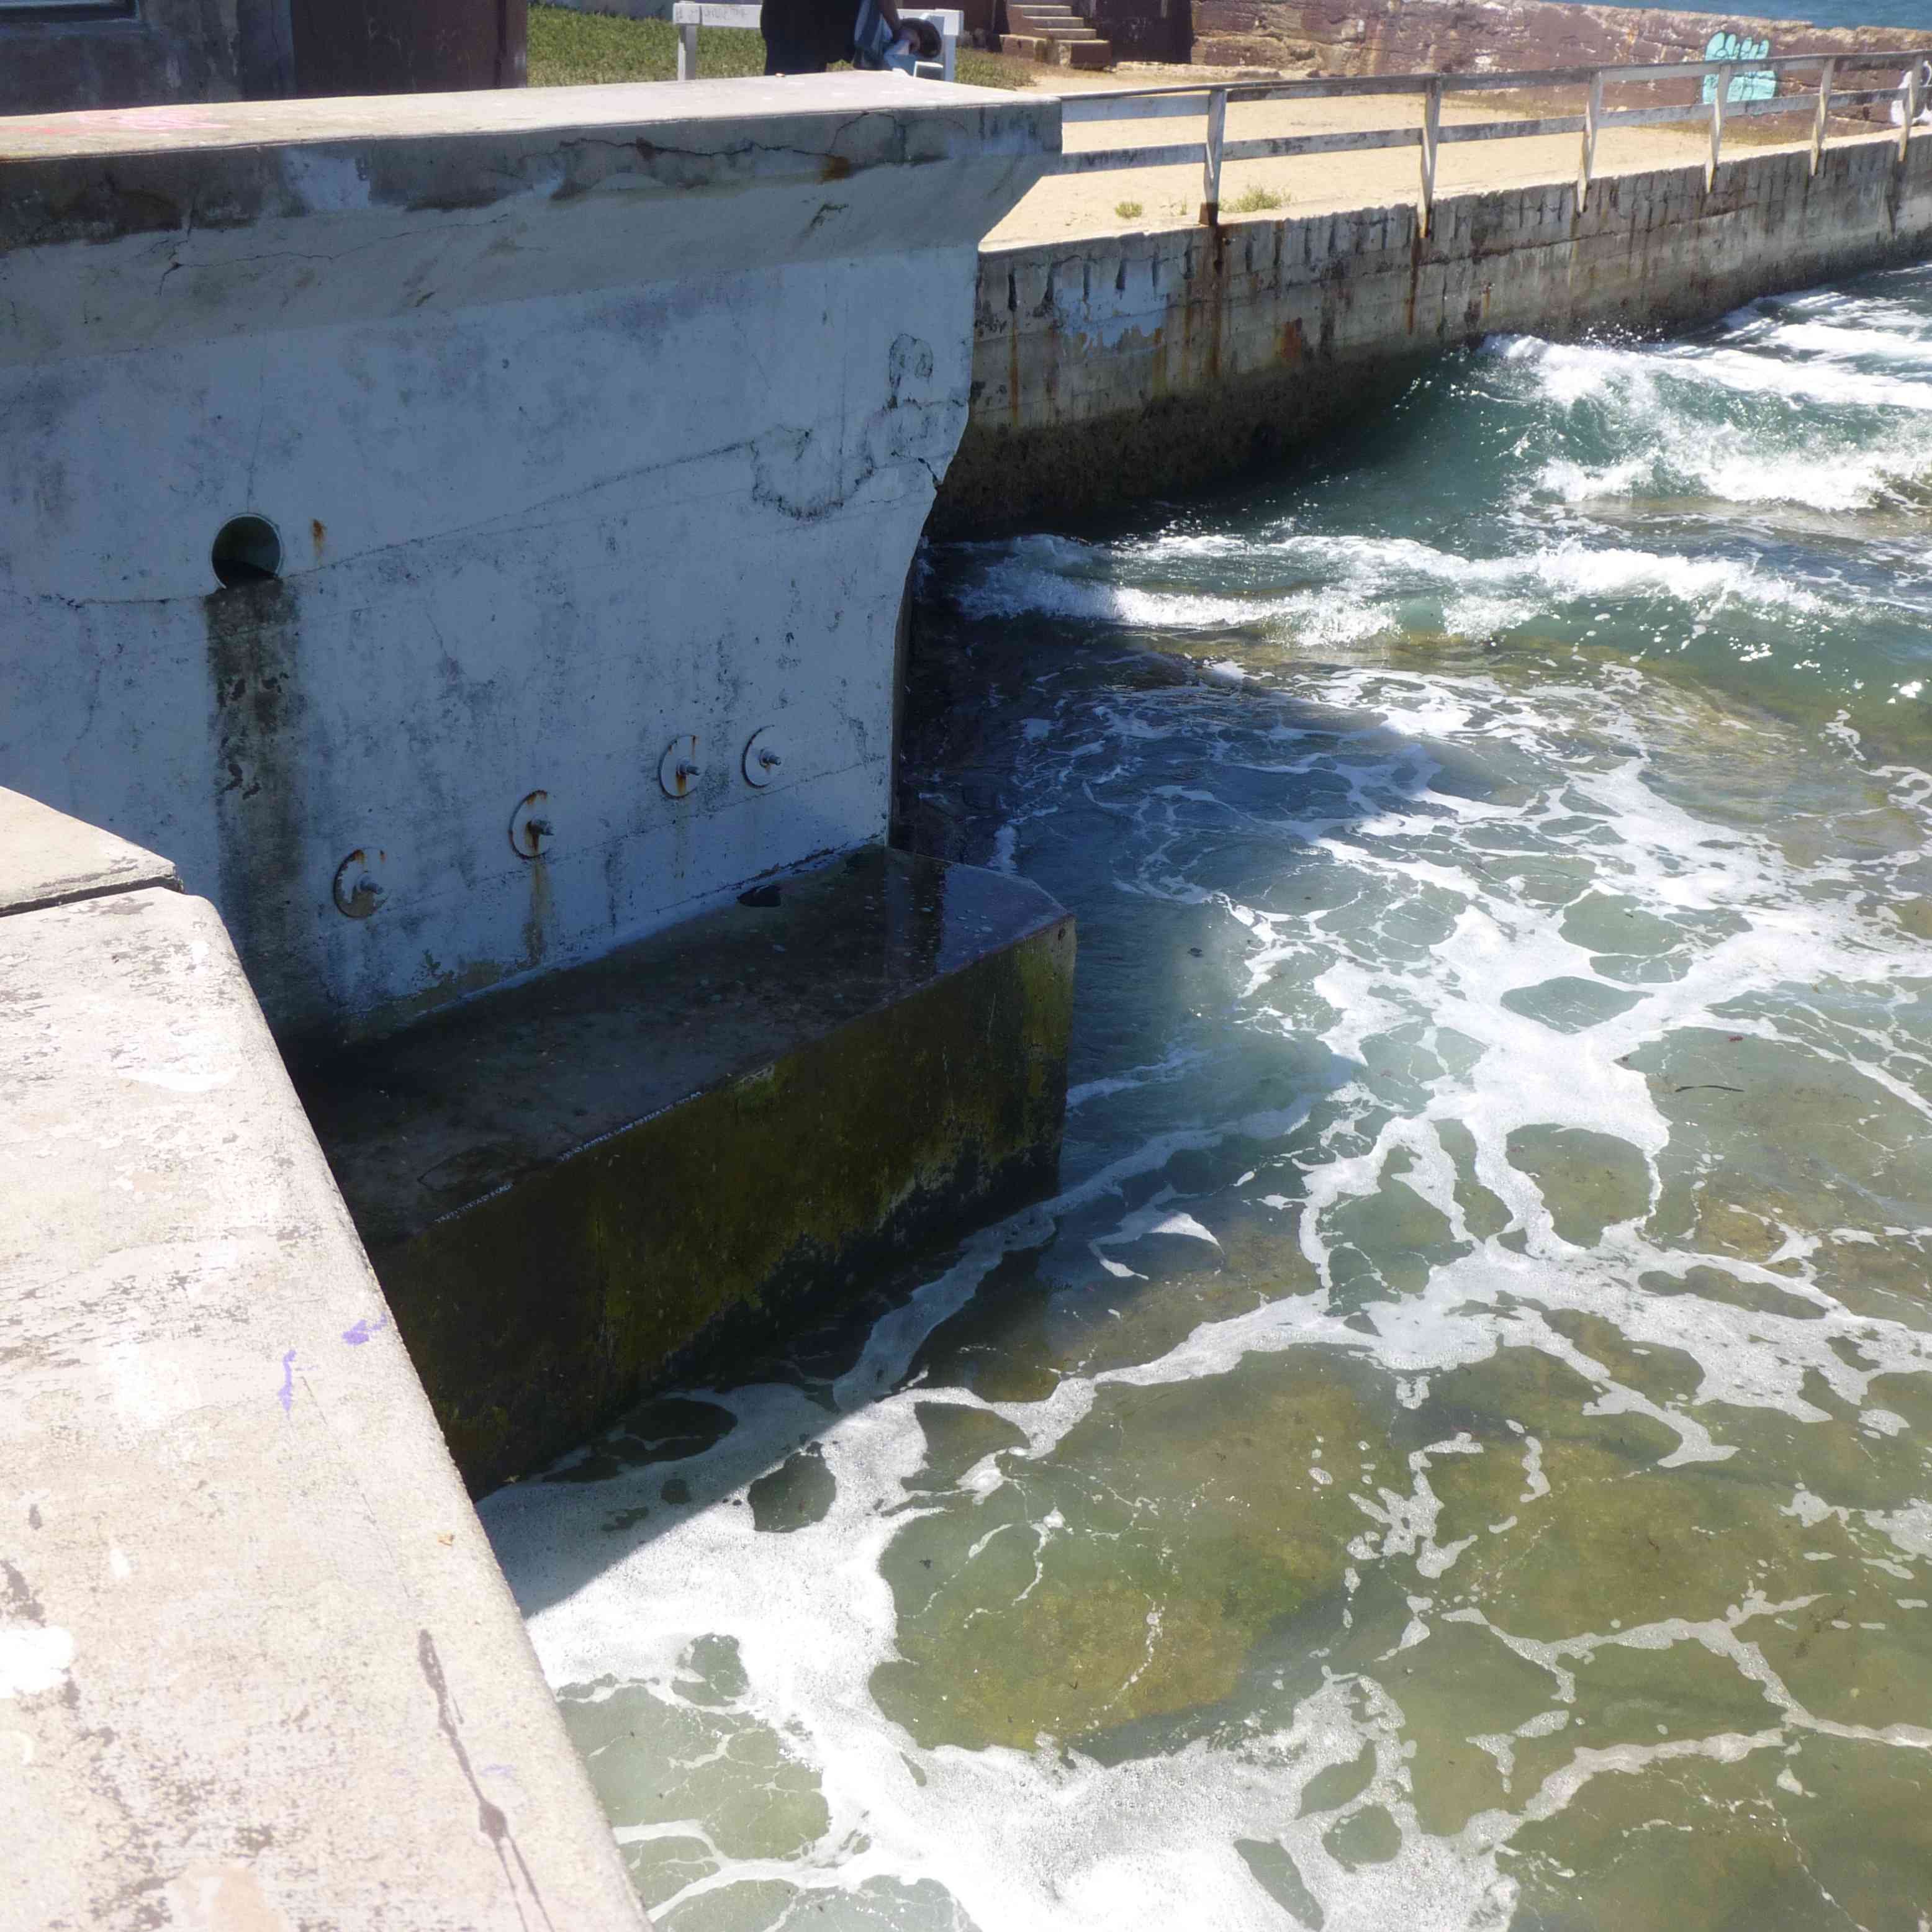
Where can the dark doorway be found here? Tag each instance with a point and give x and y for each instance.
(408, 46)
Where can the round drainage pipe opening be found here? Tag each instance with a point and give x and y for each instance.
(246, 551)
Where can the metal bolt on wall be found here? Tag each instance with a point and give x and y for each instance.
(356, 893)
(531, 826)
(678, 770)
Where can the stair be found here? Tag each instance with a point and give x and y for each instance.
(1042, 30)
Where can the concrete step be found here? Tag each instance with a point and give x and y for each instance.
(1093, 53)
(1026, 47)
(698, 1133)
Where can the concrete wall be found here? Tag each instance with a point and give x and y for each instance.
(1109, 370)
(258, 1668)
(127, 53)
(585, 432)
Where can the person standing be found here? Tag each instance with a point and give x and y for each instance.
(807, 36)
(1925, 97)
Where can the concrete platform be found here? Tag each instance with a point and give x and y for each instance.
(47, 859)
(569, 1187)
(258, 1668)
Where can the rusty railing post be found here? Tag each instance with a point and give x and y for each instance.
(1431, 129)
(1593, 113)
(1825, 74)
(1718, 101)
(1210, 168)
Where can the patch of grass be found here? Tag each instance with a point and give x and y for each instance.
(1256, 200)
(572, 49)
(971, 68)
(1128, 210)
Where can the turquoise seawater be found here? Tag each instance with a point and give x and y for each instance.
(1457, 1452)
(1914, 15)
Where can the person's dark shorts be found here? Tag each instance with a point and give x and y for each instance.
(784, 53)
(805, 36)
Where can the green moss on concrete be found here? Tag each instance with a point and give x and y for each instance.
(537, 1313)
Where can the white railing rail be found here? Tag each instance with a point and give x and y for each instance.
(1729, 79)
(688, 15)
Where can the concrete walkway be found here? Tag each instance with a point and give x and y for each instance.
(1058, 209)
(258, 1668)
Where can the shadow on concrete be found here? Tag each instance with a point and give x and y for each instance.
(1200, 796)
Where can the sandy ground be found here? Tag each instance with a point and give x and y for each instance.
(1120, 201)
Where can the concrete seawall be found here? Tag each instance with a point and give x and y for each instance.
(1108, 370)
(567, 442)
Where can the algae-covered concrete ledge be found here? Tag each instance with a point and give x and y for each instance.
(572, 1188)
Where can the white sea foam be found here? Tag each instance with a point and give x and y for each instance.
(1368, 579)
(1840, 342)
(1568, 373)
(1672, 444)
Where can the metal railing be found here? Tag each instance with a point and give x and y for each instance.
(1155, 104)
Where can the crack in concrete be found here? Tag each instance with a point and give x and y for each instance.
(490, 1819)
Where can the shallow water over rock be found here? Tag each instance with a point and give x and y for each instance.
(1455, 1453)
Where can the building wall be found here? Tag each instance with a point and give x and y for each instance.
(129, 53)
(1147, 30)
(1110, 370)
(61, 56)
(580, 438)
(408, 46)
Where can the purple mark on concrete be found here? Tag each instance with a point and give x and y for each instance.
(285, 1394)
(363, 1329)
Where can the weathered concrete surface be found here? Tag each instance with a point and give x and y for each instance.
(588, 419)
(568, 1188)
(1110, 370)
(47, 859)
(258, 1668)
(131, 55)
(1472, 36)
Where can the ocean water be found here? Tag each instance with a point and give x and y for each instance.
(1455, 1453)
(1914, 15)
